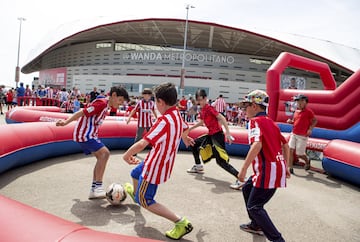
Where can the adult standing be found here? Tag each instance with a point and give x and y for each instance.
(303, 123)
(20, 93)
(93, 94)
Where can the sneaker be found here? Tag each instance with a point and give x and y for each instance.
(130, 190)
(237, 185)
(196, 169)
(250, 229)
(181, 228)
(291, 170)
(97, 193)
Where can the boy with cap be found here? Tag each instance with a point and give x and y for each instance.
(267, 146)
(303, 123)
(144, 107)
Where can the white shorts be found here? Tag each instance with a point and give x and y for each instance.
(298, 142)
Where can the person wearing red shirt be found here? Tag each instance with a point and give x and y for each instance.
(214, 139)
(156, 168)
(183, 107)
(131, 107)
(303, 123)
(268, 162)
(86, 130)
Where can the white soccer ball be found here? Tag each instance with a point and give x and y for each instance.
(115, 193)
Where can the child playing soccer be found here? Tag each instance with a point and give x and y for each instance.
(144, 107)
(156, 168)
(267, 146)
(86, 134)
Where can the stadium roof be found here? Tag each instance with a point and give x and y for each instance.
(201, 35)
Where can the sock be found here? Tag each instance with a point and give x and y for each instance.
(179, 220)
(98, 184)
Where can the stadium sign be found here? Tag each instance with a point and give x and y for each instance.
(173, 56)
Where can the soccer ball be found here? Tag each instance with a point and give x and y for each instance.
(115, 193)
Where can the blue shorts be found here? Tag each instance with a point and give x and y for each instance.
(145, 192)
(91, 146)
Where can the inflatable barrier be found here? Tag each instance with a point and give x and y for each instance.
(34, 141)
(20, 222)
(341, 159)
(27, 114)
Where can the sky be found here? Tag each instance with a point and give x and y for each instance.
(330, 20)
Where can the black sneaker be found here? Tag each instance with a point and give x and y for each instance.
(248, 228)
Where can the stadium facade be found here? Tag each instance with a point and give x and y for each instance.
(146, 52)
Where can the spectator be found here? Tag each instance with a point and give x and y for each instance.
(303, 123)
(93, 94)
(20, 93)
(220, 105)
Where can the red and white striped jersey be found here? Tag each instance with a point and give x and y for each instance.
(220, 105)
(87, 126)
(50, 93)
(269, 165)
(145, 109)
(165, 138)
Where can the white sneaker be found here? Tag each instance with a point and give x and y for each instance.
(237, 185)
(196, 169)
(97, 193)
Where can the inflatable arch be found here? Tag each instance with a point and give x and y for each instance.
(337, 111)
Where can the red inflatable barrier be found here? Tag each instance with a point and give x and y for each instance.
(344, 151)
(43, 114)
(20, 222)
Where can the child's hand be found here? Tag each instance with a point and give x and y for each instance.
(288, 175)
(188, 141)
(241, 175)
(131, 160)
(60, 122)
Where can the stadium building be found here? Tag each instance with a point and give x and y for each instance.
(142, 53)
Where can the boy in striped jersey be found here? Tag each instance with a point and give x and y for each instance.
(156, 168)
(86, 134)
(145, 107)
(267, 146)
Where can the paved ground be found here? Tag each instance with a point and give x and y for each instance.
(313, 207)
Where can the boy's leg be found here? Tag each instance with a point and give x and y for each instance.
(220, 141)
(301, 150)
(145, 197)
(258, 197)
(198, 167)
(131, 190)
(102, 156)
(292, 145)
(139, 134)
